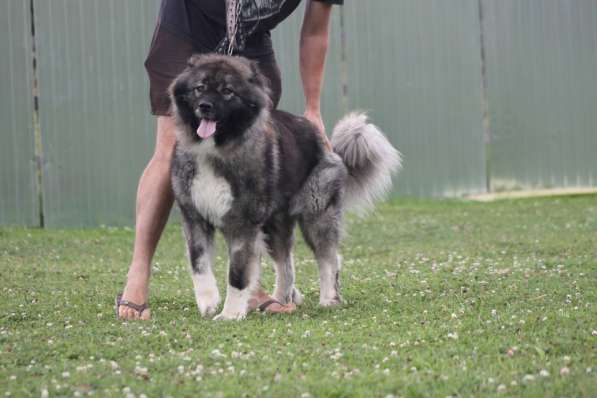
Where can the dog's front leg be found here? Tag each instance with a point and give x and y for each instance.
(200, 249)
(243, 275)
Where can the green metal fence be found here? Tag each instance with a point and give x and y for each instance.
(477, 94)
(542, 92)
(96, 131)
(416, 65)
(18, 195)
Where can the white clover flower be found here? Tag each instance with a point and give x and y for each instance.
(528, 378)
(215, 354)
(142, 372)
(544, 373)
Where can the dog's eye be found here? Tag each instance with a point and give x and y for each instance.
(226, 91)
(199, 89)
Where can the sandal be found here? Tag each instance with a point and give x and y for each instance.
(266, 304)
(137, 307)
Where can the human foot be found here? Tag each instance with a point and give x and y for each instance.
(266, 303)
(132, 304)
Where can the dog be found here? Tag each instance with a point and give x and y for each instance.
(253, 173)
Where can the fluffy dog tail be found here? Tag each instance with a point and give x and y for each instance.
(369, 157)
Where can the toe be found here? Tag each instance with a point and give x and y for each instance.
(288, 308)
(130, 314)
(126, 313)
(122, 312)
(146, 314)
(276, 308)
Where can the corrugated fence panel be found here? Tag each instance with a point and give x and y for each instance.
(416, 65)
(286, 43)
(96, 128)
(18, 199)
(541, 69)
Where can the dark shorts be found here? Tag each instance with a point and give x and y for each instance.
(168, 57)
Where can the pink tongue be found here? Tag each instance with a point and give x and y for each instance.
(206, 129)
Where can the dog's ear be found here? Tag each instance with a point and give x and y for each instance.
(179, 88)
(180, 104)
(260, 80)
(195, 60)
(257, 77)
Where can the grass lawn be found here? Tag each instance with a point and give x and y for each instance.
(444, 298)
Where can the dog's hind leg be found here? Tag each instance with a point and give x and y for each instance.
(200, 248)
(279, 238)
(245, 251)
(322, 234)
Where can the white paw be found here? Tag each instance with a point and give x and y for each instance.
(207, 301)
(207, 294)
(294, 296)
(297, 297)
(282, 297)
(333, 302)
(230, 316)
(235, 306)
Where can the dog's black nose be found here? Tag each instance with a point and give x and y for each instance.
(205, 106)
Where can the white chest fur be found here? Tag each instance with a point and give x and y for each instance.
(211, 194)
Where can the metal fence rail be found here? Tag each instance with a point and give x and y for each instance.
(428, 71)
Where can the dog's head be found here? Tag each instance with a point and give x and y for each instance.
(219, 96)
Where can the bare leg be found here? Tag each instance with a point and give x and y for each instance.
(154, 202)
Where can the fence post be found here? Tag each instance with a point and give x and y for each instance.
(484, 102)
(38, 144)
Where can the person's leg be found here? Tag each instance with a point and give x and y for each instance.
(154, 201)
(167, 57)
(269, 67)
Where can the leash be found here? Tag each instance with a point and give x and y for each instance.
(233, 10)
(236, 31)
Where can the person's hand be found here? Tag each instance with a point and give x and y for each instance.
(315, 118)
